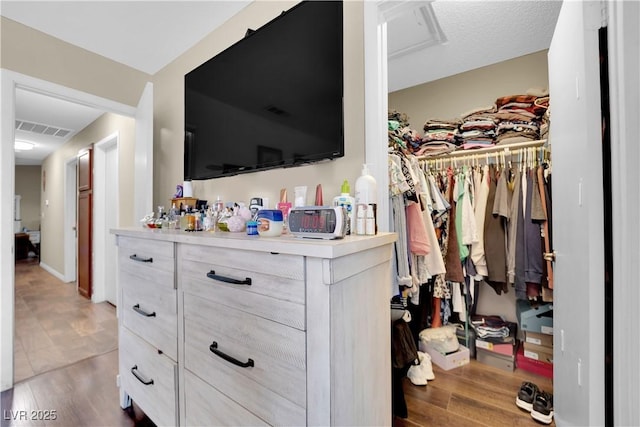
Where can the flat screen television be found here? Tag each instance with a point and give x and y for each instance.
(273, 99)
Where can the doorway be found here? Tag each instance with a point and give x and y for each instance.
(70, 203)
(578, 360)
(10, 81)
(105, 217)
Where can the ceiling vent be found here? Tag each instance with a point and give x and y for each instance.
(41, 129)
(411, 26)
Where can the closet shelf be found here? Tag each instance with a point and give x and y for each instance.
(505, 148)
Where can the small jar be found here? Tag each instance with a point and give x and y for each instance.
(270, 222)
(252, 228)
(191, 222)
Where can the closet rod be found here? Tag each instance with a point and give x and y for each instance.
(506, 148)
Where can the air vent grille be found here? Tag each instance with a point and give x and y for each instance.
(42, 129)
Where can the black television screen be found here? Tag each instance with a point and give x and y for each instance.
(273, 99)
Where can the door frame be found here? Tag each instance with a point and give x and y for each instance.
(102, 210)
(9, 81)
(624, 96)
(70, 219)
(624, 60)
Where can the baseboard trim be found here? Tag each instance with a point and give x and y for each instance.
(54, 272)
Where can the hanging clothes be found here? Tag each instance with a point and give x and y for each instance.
(515, 213)
(545, 226)
(533, 268)
(494, 238)
(477, 248)
(452, 257)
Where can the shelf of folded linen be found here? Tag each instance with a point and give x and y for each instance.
(513, 119)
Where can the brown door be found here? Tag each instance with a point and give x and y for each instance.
(85, 215)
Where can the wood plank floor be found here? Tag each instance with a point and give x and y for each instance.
(81, 394)
(471, 395)
(55, 326)
(79, 383)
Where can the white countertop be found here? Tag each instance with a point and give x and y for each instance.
(286, 244)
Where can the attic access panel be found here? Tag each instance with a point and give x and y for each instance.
(411, 26)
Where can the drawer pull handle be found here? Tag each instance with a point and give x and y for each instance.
(138, 310)
(214, 349)
(135, 373)
(212, 275)
(137, 258)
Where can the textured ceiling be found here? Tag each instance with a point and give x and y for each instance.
(478, 33)
(146, 35)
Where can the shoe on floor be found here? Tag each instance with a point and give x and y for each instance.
(425, 361)
(542, 408)
(421, 372)
(526, 396)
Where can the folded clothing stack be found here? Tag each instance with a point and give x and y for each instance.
(478, 128)
(495, 334)
(520, 117)
(440, 136)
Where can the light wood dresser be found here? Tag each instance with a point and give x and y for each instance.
(228, 329)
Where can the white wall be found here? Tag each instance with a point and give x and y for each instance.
(28, 185)
(52, 253)
(169, 118)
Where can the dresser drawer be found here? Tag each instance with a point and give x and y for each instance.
(151, 312)
(275, 298)
(206, 406)
(149, 378)
(149, 260)
(274, 264)
(274, 387)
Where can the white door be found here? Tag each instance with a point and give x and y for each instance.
(577, 186)
(70, 207)
(111, 221)
(105, 217)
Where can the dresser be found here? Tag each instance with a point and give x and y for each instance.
(229, 329)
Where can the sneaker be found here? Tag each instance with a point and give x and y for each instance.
(526, 396)
(542, 409)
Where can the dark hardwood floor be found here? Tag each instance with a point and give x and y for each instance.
(471, 395)
(81, 394)
(81, 386)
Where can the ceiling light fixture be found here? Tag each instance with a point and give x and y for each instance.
(23, 145)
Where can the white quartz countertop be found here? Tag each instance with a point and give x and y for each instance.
(286, 244)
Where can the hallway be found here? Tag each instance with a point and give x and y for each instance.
(66, 357)
(55, 326)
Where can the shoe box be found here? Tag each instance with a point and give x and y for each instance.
(447, 361)
(538, 346)
(497, 360)
(538, 318)
(505, 349)
(528, 364)
(538, 352)
(544, 340)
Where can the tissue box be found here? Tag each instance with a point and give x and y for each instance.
(448, 361)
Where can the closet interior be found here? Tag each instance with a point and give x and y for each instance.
(470, 199)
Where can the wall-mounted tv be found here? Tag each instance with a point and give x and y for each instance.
(273, 99)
